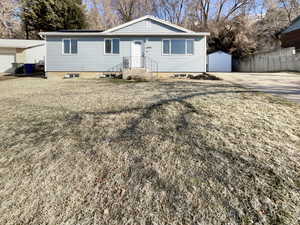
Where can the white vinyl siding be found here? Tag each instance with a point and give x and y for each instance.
(148, 26)
(91, 57)
(178, 47)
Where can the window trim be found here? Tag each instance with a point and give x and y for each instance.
(112, 47)
(63, 46)
(170, 47)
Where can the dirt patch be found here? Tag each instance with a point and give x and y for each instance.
(7, 77)
(174, 152)
(200, 76)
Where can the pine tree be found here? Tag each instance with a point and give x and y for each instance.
(51, 15)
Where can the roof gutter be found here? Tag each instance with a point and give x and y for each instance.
(20, 46)
(102, 34)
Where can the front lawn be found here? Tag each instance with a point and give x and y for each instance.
(173, 152)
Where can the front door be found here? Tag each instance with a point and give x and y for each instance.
(137, 54)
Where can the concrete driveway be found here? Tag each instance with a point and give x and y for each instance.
(283, 84)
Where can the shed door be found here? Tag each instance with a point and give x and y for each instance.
(137, 54)
(6, 61)
(219, 62)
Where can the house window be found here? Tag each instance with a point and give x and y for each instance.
(190, 47)
(112, 46)
(108, 46)
(178, 47)
(74, 47)
(70, 47)
(166, 47)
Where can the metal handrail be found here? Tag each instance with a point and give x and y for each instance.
(146, 62)
(127, 63)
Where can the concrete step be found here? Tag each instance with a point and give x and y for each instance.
(136, 70)
(137, 73)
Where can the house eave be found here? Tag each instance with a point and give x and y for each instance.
(101, 34)
(19, 43)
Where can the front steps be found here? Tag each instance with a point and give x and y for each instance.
(137, 74)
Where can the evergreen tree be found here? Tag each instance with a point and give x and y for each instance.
(52, 15)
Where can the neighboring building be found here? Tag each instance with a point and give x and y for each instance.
(219, 62)
(20, 51)
(290, 37)
(147, 42)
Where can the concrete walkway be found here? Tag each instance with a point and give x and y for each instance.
(283, 84)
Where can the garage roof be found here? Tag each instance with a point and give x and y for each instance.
(295, 25)
(19, 43)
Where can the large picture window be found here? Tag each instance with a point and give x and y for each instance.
(70, 47)
(112, 46)
(178, 47)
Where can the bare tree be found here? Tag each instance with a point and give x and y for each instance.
(128, 10)
(203, 11)
(291, 7)
(227, 21)
(172, 10)
(101, 14)
(94, 16)
(104, 14)
(9, 23)
(278, 15)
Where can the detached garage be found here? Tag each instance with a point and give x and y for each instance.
(219, 62)
(20, 51)
(7, 57)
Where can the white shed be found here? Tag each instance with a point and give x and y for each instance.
(20, 51)
(219, 62)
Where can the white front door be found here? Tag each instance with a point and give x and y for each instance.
(137, 54)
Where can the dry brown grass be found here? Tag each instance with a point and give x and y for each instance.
(100, 152)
